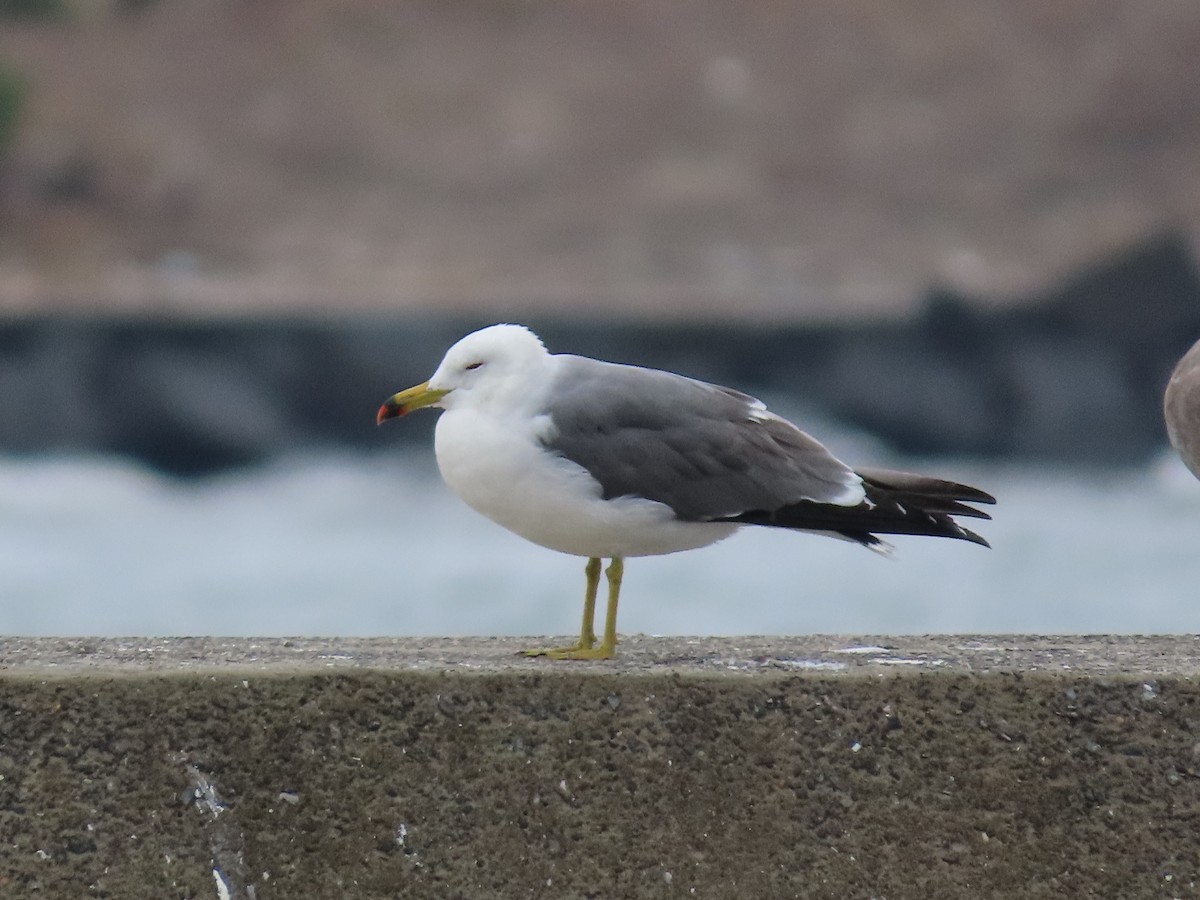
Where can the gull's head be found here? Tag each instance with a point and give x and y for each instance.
(496, 367)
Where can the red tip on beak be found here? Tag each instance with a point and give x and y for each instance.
(389, 410)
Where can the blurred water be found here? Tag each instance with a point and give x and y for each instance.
(378, 546)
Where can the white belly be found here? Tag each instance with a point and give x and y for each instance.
(501, 472)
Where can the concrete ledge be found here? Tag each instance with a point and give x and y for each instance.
(898, 767)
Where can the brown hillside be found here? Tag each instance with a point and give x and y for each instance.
(659, 158)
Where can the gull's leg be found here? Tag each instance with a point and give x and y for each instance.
(608, 646)
(587, 633)
(616, 571)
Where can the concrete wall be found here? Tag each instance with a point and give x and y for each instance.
(811, 767)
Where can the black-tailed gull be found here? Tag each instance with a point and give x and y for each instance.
(607, 461)
(1181, 409)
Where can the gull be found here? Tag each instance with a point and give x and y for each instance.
(1181, 409)
(607, 461)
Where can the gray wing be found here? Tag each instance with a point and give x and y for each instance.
(705, 451)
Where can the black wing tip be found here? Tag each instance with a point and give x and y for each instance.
(955, 508)
(910, 482)
(974, 495)
(968, 535)
(953, 530)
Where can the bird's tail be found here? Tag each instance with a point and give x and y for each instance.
(896, 503)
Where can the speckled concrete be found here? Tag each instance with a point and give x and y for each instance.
(839, 767)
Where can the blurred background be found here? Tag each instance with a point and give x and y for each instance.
(958, 237)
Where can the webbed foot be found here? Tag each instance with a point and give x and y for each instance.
(576, 651)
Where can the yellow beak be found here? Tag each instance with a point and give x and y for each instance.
(403, 403)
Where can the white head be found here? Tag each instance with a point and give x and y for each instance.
(495, 367)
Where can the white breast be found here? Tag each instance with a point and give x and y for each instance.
(497, 466)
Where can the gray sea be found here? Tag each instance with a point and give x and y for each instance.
(376, 545)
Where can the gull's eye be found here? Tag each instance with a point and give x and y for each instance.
(473, 366)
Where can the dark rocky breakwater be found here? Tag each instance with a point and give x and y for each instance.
(1074, 375)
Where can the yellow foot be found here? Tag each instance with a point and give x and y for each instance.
(574, 652)
(554, 652)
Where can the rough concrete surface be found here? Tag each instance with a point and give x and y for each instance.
(898, 767)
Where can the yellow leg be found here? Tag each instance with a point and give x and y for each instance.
(608, 646)
(587, 633)
(616, 571)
